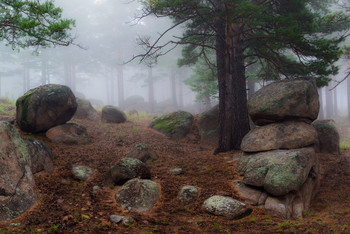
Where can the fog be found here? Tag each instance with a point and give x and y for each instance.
(108, 32)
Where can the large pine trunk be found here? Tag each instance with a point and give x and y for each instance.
(234, 121)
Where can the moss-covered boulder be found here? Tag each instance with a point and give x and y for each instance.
(17, 186)
(143, 152)
(44, 107)
(289, 99)
(208, 126)
(282, 135)
(138, 195)
(112, 114)
(278, 172)
(328, 140)
(175, 125)
(85, 110)
(70, 134)
(188, 194)
(127, 169)
(81, 172)
(226, 207)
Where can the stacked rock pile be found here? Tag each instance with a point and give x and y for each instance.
(279, 167)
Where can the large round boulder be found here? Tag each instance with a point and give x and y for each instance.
(175, 125)
(85, 110)
(70, 134)
(17, 186)
(44, 107)
(278, 172)
(111, 114)
(328, 136)
(283, 135)
(226, 207)
(127, 169)
(138, 195)
(288, 99)
(208, 126)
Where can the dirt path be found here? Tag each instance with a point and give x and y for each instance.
(66, 205)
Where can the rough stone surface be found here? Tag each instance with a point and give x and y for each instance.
(283, 135)
(127, 169)
(138, 195)
(44, 107)
(290, 99)
(208, 126)
(175, 125)
(226, 207)
(111, 114)
(143, 152)
(278, 172)
(40, 156)
(81, 172)
(328, 137)
(17, 186)
(176, 171)
(251, 195)
(188, 194)
(70, 134)
(85, 110)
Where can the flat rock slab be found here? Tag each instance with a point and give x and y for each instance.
(282, 135)
(226, 207)
(278, 172)
(289, 99)
(138, 195)
(44, 107)
(17, 186)
(70, 134)
(175, 125)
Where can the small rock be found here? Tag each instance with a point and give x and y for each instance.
(111, 114)
(188, 194)
(176, 171)
(70, 134)
(226, 207)
(115, 218)
(82, 172)
(143, 153)
(126, 221)
(96, 189)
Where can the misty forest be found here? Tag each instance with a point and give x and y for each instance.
(174, 116)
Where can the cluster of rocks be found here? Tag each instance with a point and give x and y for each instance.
(279, 169)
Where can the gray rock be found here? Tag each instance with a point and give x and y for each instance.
(176, 171)
(188, 194)
(111, 114)
(278, 172)
(138, 195)
(70, 134)
(175, 125)
(44, 107)
(143, 153)
(17, 186)
(226, 207)
(208, 126)
(328, 137)
(81, 172)
(289, 99)
(85, 110)
(115, 218)
(282, 135)
(40, 156)
(252, 196)
(127, 169)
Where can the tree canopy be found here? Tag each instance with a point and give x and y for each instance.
(27, 23)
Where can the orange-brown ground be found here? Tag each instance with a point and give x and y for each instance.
(66, 205)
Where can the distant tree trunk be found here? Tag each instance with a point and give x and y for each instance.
(120, 77)
(181, 94)
(107, 78)
(73, 77)
(233, 116)
(70, 76)
(112, 87)
(173, 87)
(348, 94)
(150, 90)
(251, 87)
(0, 85)
(329, 103)
(26, 79)
(44, 76)
(321, 112)
(335, 103)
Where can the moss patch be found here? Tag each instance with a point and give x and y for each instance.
(168, 123)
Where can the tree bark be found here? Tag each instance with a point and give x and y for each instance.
(150, 90)
(233, 114)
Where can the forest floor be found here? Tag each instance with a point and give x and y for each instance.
(67, 205)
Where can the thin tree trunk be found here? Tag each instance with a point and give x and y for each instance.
(348, 94)
(251, 87)
(108, 90)
(335, 103)
(150, 90)
(321, 112)
(120, 77)
(44, 72)
(26, 81)
(173, 87)
(73, 77)
(233, 114)
(329, 103)
(181, 93)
